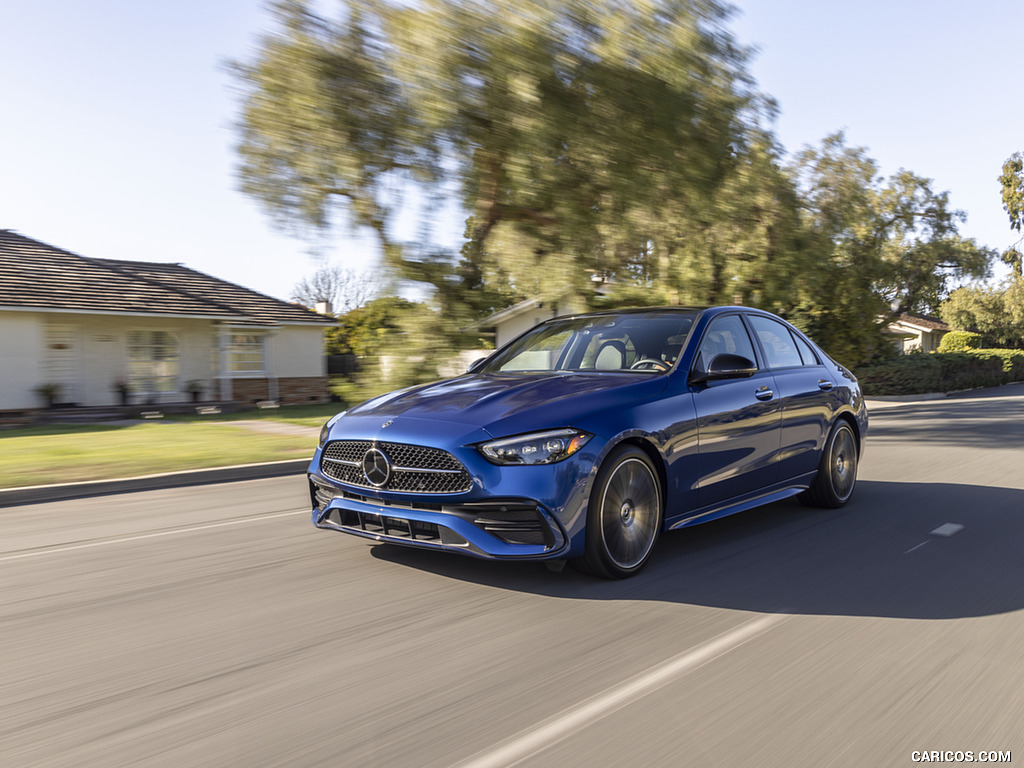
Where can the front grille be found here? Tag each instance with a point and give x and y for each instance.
(414, 468)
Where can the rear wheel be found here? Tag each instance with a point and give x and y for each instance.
(624, 515)
(837, 470)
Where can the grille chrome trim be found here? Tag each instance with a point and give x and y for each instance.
(414, 468)
(399, 469)
(429, 471)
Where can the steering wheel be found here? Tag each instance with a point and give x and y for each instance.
(650, 362)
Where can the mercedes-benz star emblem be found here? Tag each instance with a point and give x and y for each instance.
(376, 467)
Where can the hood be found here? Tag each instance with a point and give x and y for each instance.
(508, 403)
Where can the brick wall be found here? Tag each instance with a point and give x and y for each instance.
(297, 390)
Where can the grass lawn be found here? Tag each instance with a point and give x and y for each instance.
(63, 453)
(303, 415)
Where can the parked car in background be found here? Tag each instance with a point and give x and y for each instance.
(588, 436)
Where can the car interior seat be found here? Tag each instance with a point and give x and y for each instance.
(611, 357)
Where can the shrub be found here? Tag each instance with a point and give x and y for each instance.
(949, 372)
(1012, 361)
(908, 375)
(969, 370)
(960, 341)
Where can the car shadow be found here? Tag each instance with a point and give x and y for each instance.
(878, 556)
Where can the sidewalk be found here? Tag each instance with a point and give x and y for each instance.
(35, 494)
(1013, 389)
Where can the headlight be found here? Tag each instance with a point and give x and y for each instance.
(325, 430)
(536, 448)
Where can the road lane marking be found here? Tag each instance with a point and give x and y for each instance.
(947, 529)
(140, 536)
(533, 739)
(917, 547)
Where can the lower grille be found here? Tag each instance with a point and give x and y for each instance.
(390, 526)
(515, 522)
(378, 525)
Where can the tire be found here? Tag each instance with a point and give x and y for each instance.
(624, 515)
(837, 471)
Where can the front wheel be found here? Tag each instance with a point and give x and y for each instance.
(624, 515)
(837, 470)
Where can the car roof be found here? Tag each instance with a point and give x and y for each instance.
(699, 309)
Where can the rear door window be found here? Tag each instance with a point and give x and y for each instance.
(778, 343)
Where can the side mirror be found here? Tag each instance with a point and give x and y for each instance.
(476, 365)
(725, 366)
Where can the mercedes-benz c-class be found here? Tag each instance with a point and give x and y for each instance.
(589, 436)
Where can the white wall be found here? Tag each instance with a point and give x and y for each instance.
(298, 350)
(100, 354)
(21, 349)
(519, 324)
(515, 326)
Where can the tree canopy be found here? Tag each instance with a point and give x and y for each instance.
(585, 141)
(996, 312)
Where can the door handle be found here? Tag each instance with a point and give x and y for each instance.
(764, 394)
(824, 384)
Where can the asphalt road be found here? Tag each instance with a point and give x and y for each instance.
(214, 626)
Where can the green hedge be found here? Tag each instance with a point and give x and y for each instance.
(1012, 360)
(945, 372)
(960, 341)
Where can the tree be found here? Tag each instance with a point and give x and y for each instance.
(1012, 182)
(530, 111)
(345, 289)
(583, 139)
(885, 246)
(997, 313)
(365, 330)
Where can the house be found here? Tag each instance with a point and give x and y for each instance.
(508, 323)
(917, 333)
(87, 329)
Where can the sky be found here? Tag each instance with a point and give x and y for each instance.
(117, 139)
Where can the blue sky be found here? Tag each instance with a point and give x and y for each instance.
(116, 138)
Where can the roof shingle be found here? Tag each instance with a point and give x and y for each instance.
(36, 275)
(924, 321)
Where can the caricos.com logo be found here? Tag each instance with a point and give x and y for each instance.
(959, 756)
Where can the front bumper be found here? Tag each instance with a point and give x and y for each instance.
(509, 528)
(520, 512)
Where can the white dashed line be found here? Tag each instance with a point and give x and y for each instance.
(533, 739)
(947, 529)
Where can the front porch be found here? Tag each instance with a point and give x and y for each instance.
(88, 414)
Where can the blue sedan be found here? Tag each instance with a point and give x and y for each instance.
(588, 436)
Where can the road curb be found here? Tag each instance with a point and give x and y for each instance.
(907, 398)
(37, 494)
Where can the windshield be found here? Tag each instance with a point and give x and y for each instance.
(638, 342)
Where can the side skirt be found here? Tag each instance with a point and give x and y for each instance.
(774, 493)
